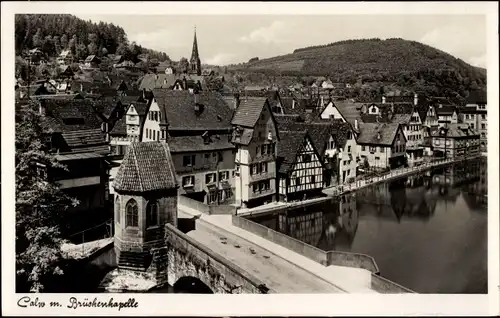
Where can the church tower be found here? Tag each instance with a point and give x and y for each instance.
(146, 199)
(195, 62)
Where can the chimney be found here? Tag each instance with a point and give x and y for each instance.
(383, 99)
(378, 136)
(206, 138)
(415, 99)
(356, 124)
(293, 104)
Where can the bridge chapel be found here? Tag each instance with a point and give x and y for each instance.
(146, 199)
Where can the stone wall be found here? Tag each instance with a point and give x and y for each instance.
(325, 258)
(186, 257)
(204, 208)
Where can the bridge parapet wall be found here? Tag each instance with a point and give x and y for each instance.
(184, 256)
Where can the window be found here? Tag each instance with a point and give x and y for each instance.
(373, 149)
(154, 135)
(466, 116)
(331, 145)
(188, 181)
(214, 157)
(363, 148)
(257, 151)
(157, 135)
(483, 135)
(297, 181)
(348, 148)
(220, 157)
(132, 218)
(223, 175)
(147, 133)
(152, 214)
(254, 169)
(472, 126)
(263, 167)
(260, 134)
(264, 149)
(483, 117)
(436, 142)
(313, 179)
(188, 161)
(206, 159)
(255, 188)
(483, 126)
(307, 158)
(210, 178)
(377, 158)
(117, 209)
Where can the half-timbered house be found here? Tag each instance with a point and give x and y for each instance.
(300, 166)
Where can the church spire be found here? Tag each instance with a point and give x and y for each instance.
(195, 62)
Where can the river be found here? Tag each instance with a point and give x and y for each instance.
(427, 232)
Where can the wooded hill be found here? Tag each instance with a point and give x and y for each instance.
(53, 33)
(377, 63)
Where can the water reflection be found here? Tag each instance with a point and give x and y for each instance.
(417, 227)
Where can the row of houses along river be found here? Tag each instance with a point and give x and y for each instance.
(426, 231)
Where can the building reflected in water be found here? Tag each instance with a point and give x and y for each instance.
(418, 224)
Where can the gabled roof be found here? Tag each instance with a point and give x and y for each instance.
(120, 128)
(88, 140)
(445, 110)
(348, 110)
(178, 108)
(147, 166)
(249, 111)
(153, 81)
(242, 136)
(401, 118)
(71, 115)
(402, 108)
(370, 132)
(319, 132)
(197, 144)
(92, 58)
(140, 107)
(454, 131)
(290, 144)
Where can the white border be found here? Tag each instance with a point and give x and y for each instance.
(237, 305)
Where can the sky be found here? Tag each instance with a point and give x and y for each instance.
(226, 39)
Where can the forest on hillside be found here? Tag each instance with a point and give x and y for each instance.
(53, 33)
(372, 66)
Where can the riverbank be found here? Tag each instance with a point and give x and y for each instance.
(345, 188)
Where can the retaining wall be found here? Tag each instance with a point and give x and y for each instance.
(204, 208)
(325, 258)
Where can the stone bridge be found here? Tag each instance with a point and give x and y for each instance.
(187, 264)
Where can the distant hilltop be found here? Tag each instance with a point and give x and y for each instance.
(370, 61)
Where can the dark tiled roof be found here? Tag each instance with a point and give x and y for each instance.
(400, 99)
(178, 107)
(242, 136)
(455, 131)
(147, 166)
(86, 140)
(290, 109)
(371, 119)
(370, 132)
(401, 118)
(153, 81)
(290, 144)
(445, 110)
(127, 100)
(140, 108)
(248, 112)
(196, 143)
(477, 97)
(58, 96)
(319, 132)
(285, 119)
(120, 128)
(348, 110)
(402, 108)
(91, 58)
(72, 115)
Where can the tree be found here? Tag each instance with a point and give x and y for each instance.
(40, 204)
(104, 51)
(48, 46)
(57, 44)
(72, 44)
(64, 41)
(183, 65)
(37, 38)
(92, 48)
